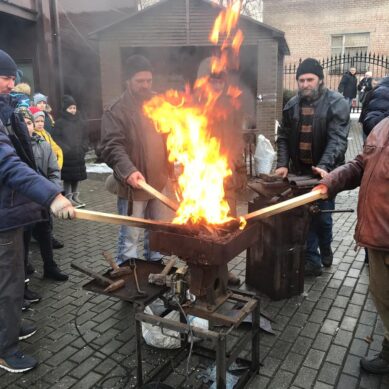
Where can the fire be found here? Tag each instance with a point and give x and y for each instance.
(188, 118)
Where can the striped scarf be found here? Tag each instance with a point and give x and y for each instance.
(306, 133)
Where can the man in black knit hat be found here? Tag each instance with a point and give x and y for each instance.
(313, 141)
(135, 151)
(26, 197)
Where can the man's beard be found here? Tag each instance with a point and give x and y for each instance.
(144, 95)
(310, 94)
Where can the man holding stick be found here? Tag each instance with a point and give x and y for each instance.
(313, 140)
(25, 197)
(369, 171)
(136, 152)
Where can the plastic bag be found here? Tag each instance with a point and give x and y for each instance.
(153, 335)
(264, 156)
(168, 339)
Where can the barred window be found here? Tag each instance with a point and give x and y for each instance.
(348, 48)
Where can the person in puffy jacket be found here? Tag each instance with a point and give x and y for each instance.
(25, 198)
(377, 107)
(369, 170)
(71, 135)
(47, 165)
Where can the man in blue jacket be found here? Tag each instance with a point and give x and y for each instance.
(25, 198)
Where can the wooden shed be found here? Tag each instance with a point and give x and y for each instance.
(173, 34)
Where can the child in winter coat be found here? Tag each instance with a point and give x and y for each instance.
(21, 92)
(71, 134)
(40, 101)
(39, 120)
(46, 163)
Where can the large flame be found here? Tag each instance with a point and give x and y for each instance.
(188, 119)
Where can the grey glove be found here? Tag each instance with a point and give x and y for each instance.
(62, 208)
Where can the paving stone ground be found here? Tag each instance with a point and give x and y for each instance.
(87, 341)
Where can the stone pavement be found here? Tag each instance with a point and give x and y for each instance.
(87, 341)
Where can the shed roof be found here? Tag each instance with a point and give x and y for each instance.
(180, 23)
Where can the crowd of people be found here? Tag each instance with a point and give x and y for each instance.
(42, 161)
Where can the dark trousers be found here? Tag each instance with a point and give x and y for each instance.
(320, 232)
(11, 289)
(42, 234)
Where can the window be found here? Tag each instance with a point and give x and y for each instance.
(345, 45)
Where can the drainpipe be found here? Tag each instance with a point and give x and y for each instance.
(57, 52)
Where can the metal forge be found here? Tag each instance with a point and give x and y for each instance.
(207, 257)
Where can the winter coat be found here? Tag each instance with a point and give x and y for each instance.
(330, 130)
(122, 144)
(25, 195)
(23, 100)
(57, 150)
(369, 170)
(348, 85)
(45, 159)
(71, 134)
(377, 107)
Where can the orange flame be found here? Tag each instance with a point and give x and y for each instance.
(188, 119)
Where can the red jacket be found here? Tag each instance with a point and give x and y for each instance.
(370, 170)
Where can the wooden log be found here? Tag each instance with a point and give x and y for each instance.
(160, 196)
(285, 205)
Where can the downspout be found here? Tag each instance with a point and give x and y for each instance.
(57, 52)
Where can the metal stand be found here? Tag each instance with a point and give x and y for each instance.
(223, 357)
(219, 351)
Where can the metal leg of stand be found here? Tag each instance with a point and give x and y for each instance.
(255, 339)
(221, 366)
(138, 332)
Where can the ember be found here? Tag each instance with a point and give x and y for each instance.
(186, 117)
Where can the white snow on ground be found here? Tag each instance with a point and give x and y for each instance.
(98, 168)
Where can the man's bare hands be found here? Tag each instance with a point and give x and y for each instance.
(133, 179)
(282, 172)
(62, 208)
(320, 172)
(323, 189)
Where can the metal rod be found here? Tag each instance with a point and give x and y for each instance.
(221, 368)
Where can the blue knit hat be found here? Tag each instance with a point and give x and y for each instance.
(38, 97)
(7, 65)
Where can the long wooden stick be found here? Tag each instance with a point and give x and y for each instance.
(285, 205)
(123, 220)
(160, 196)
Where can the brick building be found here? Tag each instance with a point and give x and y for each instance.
(321, 29)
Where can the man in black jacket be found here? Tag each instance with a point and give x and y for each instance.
(313, 140)
(348, 86)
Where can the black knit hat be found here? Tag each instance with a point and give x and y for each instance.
(310, 65)
(7, 65)
(67, 101)
(135, 64)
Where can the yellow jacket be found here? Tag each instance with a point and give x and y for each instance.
(57, 150)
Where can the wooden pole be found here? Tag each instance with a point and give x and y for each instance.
(285, 205)
(160, 196)
(123, 220)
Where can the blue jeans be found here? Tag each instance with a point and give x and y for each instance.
(129, 236)
(320, 233)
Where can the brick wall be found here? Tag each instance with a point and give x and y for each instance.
(309, 24)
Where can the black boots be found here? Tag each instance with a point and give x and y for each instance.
(54, 273)
(326, 256)
(379, 364)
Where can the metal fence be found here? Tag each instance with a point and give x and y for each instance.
(334, 67)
